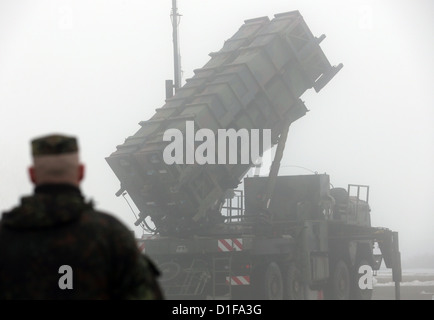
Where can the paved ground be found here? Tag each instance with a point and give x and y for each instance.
(413, 287)
(407, 293)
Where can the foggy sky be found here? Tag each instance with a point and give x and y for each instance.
(95, 69)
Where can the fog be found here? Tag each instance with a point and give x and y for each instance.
(95, 69)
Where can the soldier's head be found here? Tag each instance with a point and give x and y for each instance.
(56, 160)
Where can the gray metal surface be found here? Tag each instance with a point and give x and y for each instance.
(254, 82)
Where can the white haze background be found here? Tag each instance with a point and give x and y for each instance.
(95, 69)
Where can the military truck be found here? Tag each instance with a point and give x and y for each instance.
(278, 237)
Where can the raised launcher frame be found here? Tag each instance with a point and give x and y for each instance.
(254, 82)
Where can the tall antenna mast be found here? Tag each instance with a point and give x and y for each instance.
(176, 52)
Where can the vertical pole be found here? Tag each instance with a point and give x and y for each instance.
(176, 52)
(396, 267)
(275, 165)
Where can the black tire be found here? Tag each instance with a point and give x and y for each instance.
(273, 284)
(358, 293)
(339, 285)
(294, 288)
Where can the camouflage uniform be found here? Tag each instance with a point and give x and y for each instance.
(55, 227)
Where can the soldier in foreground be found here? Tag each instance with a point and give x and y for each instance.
(55, 245)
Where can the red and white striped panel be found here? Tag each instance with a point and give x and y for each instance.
(141, 246)
(238, 280)
(141, 241)
(230, 244)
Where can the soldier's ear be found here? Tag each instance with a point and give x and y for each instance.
(80, 172)
(32, 174)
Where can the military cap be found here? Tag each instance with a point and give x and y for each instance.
(54, 144)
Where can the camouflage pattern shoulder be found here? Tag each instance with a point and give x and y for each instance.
(46, 210)
(100, 249)
(135, 273)
(149, 288)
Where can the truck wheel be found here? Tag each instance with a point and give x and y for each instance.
(273, 284)
(358, 293)
(294, 285)
(338, 287)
